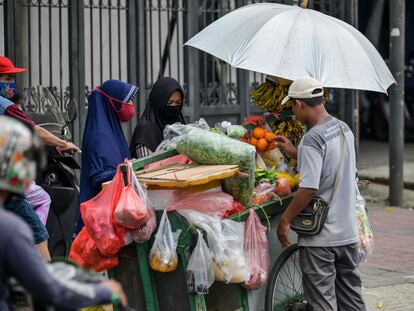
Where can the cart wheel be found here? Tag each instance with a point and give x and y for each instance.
(284, 290)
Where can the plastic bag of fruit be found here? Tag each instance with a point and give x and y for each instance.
(366, 237)
(163, 255)
(263, 192)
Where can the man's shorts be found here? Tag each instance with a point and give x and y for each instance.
(19, 205)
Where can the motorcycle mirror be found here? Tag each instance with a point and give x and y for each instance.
(72, 110)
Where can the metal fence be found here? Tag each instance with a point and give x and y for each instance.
(72, 46)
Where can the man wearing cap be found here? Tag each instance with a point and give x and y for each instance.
(19, 203)
(329, 260)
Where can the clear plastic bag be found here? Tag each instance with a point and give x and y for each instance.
(200, 275)
(144, 232)
(132, 211)
(203, 147)
(98, 216)
(173, 133)
(263, 192)
(214, 203)
(163, 255)
(256, 248)
(225, 239)
(366, 237)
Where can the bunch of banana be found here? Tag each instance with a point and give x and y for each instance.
(269, 96)
(292, 128)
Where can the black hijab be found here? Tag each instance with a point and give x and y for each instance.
(149, 130)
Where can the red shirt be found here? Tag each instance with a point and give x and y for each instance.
(14, 111)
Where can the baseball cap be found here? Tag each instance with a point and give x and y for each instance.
(6, 66)
(304, 88)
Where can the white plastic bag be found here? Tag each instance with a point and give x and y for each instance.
(200, 275)
(366, 237)
(225, 239)
(163, 255)
(173, 133)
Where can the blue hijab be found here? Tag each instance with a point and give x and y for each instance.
(104, 145)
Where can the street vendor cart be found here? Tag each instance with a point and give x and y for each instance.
(147, 289)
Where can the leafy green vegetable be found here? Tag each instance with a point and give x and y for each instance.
(262, 174)
(236, 131)
(204, 147)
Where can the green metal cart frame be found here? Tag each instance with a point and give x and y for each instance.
(139, 280)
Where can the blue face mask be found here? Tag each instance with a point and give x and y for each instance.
(7, 89)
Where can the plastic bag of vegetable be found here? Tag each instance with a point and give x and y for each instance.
(204, 147)
(163, 256)
(173, 132)
(200, 275)
(225, 239)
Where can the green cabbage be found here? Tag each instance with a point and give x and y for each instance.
(204, 147)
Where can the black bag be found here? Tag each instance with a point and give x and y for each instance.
(312, 219)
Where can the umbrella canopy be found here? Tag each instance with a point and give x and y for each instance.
(292, 42)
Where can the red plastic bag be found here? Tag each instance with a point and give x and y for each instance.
(85, 254)
(214, 203)
(98, 216)
(256, 249)
(178, 159)
(144, 233)
(131, 210)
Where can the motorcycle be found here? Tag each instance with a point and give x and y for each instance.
(59, 180)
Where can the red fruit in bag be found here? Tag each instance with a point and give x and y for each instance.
(85, 254)
(131, 212)
(98, 216)
(282, 187)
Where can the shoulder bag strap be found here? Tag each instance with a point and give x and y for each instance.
(341, 161)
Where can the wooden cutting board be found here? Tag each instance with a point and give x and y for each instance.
(184, 175)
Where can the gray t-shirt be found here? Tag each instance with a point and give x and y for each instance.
(318, 162)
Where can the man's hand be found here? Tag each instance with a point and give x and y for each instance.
(285, 145)
(69, 147)
(116, 289)
(283, 232)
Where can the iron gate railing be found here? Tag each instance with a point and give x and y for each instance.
(72, 46)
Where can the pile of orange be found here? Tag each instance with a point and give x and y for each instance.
(263, 139)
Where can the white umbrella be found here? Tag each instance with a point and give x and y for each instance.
(292, 42)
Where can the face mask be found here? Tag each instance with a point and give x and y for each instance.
(172, 112)
(7, 89)
(125, 113)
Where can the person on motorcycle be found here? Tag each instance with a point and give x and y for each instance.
(20, 154)
(20, 204)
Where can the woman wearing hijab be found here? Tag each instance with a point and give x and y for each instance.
(104, 145)
(164, 107)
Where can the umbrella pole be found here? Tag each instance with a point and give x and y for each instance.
(304, 4)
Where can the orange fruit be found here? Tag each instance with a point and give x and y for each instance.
(258, 132)
(262, 144)
(269, 136)
(253, 141)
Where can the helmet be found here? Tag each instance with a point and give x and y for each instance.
(21, 154)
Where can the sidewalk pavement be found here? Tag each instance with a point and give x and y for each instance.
(373, 163)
